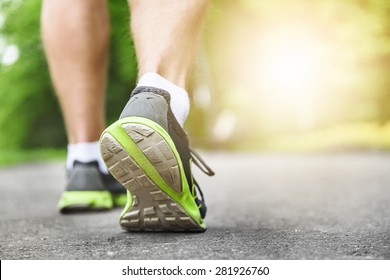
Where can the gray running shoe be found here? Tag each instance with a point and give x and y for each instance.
(88, 189)
(147, 151)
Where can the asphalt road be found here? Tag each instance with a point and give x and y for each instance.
(260, 207)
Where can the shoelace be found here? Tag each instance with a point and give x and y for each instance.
(201, 164)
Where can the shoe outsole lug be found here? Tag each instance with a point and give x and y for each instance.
(152, 209)
(157, 150)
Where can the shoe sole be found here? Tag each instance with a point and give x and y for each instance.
(141, 155)
(119, 200)
(85, 201)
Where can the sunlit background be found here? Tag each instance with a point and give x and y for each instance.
(299, 75)
(303, 75)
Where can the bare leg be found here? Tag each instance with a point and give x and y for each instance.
(166, 35)
(75, 35)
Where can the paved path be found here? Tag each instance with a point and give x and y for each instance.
(260, 207)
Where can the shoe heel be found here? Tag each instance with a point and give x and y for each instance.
(153, 209)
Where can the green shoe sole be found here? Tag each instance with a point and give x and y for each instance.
(82, 201)
(141, 155)
(119, 200)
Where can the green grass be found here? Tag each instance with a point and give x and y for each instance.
(11, 157)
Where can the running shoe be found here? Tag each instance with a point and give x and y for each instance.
(147, 151)
(88, 189)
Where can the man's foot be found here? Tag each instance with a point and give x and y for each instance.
(147, 151)
(88, 189)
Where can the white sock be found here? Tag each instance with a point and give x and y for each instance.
(180, 103)
(85, 152)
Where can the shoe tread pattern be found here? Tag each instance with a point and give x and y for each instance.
(152, 209)
(158, 152)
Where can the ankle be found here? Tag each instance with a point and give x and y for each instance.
(85, 152)
(180, 103)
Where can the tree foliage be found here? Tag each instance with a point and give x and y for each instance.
(356, 87)
(29, 111)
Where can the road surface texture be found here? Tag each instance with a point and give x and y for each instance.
(323, 206)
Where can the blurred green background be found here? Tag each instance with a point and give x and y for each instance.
(304, 75)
